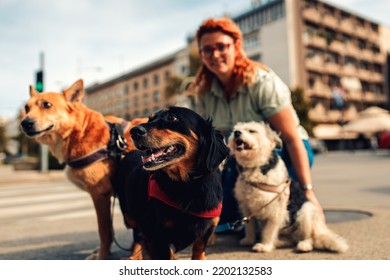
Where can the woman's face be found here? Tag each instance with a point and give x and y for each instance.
(218, 54)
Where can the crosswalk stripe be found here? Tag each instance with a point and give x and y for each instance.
(48, 201)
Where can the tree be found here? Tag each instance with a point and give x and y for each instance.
(3, 139)
(174, 82)
(172, 87)
(302, 107)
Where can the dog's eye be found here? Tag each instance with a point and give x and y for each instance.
(252, 131)
(46, 105)
(26, 109)
(172, 118)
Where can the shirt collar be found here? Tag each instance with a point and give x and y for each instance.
(216, 89)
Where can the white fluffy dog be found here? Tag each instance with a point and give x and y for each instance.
(264, 192)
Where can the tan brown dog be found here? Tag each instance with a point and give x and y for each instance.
(79, 137)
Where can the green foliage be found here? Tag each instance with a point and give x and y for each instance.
(174, 82)
(302, 107)
(172, 86)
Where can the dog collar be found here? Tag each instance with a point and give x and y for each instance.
(116, 145)
(156, 192)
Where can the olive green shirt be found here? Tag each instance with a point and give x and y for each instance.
(267, 96)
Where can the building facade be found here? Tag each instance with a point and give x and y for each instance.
(337, 57)
(140, 92)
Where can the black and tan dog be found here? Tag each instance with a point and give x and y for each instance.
(81, 138)
(170, 189)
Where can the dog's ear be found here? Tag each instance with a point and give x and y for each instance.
(75, 92)
(212, 148)
(33, 92)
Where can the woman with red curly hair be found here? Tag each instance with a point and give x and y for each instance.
(232, 88)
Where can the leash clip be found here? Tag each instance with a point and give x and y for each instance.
(121, 143)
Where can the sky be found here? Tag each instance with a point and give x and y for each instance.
(97, 40)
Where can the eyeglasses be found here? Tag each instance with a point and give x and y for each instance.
(209, 50)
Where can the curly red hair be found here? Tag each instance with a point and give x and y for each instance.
(244, 69)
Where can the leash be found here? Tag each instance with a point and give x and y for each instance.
(113, 231)
(236, 225)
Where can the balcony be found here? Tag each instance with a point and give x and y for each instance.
(350, 71)
(354, 95)
(364, 74)
(338, 47)
(347, 26)
(312, 15)
(314, 64)
(361, 32)
(379, 58)
(352, 50)
(373, 37)
(316, 41)
(333, 68)
(369, 96)
(330, 21)
(366, 54)
(377, 77)
(320, 90)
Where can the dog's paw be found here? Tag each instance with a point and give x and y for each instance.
(97, 255)
(305, 246)
(93, 256)
(247, 241)
(262, 248)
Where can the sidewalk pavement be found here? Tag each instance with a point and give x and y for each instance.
(352, 187)
(10, 176)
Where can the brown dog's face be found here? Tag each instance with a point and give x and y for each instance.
(46, 113)
(253, 142)
(179, 141)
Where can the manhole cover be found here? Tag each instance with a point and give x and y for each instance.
(337, 216)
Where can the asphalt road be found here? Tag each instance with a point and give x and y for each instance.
(43, 216)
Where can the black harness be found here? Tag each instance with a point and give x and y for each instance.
(115, 148)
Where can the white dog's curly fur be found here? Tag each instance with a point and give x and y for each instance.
(283, 210)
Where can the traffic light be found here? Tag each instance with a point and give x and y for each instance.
(39, 81)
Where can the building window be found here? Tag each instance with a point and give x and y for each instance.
(145, 82)
(167, 74)
(146, 112)
(156, 96)
(156, 79)
(126, 89)
(145, 98)
(135, 86)
(135, 101)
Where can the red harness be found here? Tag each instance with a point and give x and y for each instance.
(155, 191)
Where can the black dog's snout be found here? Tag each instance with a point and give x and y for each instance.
(138, 131)
(237, 133)
(27, 124)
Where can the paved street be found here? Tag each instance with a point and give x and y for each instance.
(43, 216)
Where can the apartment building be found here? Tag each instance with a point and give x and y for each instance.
(337, 57)
(139, 92)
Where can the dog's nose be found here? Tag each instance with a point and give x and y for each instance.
(138, 131)
(27, 124)
(237, 133)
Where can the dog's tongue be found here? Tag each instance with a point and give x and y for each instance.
(154, 155)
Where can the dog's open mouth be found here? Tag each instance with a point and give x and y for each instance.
(241, 145)
(156, 157)
(33, 133)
